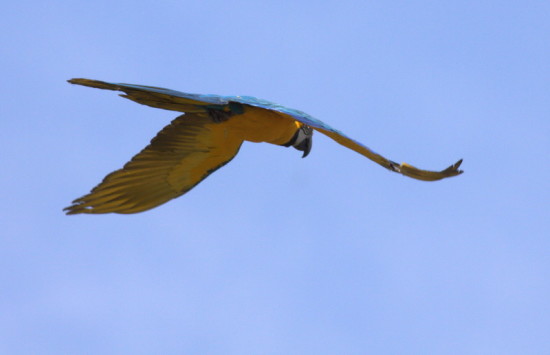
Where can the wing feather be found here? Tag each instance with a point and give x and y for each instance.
(159, 97)
(181, 155)
(403, 168)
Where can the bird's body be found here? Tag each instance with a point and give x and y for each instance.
(258, 126)
(206, 137)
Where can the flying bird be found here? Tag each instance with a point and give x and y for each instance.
(205, 138)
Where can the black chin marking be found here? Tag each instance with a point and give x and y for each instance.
(292, 140)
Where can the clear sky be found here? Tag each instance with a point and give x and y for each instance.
(274, 254)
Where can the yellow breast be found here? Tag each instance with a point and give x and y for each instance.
(261, 125)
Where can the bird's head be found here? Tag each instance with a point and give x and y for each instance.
(303, 139)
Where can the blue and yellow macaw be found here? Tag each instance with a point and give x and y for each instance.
(205, 138)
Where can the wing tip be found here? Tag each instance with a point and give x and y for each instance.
(76, 207)
(93, 83)
(71, 210)
(427, 175)
(453, 169)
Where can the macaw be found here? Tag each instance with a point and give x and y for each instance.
(205, 138)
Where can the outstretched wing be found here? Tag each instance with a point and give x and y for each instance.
(403, 168)
(159, 97)
(195, 103)
(181, 155)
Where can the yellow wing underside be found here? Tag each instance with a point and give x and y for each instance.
(403, 168)
(181, 155)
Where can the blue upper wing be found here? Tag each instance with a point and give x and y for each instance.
(199, 100)
(185, 102)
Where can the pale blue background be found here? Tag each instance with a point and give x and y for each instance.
(274, 254)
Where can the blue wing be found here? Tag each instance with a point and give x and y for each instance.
(196, 103)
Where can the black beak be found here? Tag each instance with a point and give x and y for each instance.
(305, 146)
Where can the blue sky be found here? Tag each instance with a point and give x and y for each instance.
(275, 254)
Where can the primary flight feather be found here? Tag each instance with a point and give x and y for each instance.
(205, 138)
